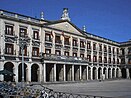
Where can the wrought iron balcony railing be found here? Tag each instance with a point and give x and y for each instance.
(72, 59)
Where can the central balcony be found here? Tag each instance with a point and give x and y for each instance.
(71, 59)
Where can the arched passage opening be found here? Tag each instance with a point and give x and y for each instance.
(68, 72)
(59, 72)
(49, 72)
(104, 73)
(94, 73)
(113, 73)
(20, 72)
(84, 73)
(117, 73)
(123, 71)
(89, 73)
(8, 66)
(35, 73)
(99, 73)
(109, 73)
(77, 73)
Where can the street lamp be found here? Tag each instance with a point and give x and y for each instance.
(23, 42)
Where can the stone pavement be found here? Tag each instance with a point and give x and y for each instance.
(114, 88)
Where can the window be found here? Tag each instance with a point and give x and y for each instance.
(9, 49)
(48, 51)
(82, 44)
(113, 60)
(66, 41)
(117, 50)
(123, 51)
(100, 47)
(88, 45)
(89, 58)
(23, 32)
(109, 60)
(75, 54)
(57, 39)
(35, 51)
(105, 59)
(74, 42)
(58, 52)
(94, 58)
(109, 49)
(129, 61)
(66, 53)
(105, 48)
(113, 50)
(9, 29)
(82, 55)
(129, 50)
(100, 59)
(118, 61)
(36, 35)
(123, 61)
(94, 46)
(25, 51)
(47, 37)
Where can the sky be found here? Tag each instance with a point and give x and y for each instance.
(110, 19)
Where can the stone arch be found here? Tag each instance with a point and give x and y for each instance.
(20, 72)
(99, 73)
(94, 73)
(89, 73)
(9, 66)
(117, 73)
(35, 73)
(109, 73)
(123, 71)
(104, 72)
(113, 72)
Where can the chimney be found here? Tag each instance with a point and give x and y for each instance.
(65, 15)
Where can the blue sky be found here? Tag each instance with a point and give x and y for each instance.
(106, 18)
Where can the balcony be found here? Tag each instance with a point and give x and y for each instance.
(58, 42)
(10, 38)
(48, 45)
(53, 57)
(48, 41)
(35, 43)
(36, 39)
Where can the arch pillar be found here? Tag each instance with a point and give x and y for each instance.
(107, 73)
(72, 72)
(87, 78)
(127, 73)
(1, 68)
(91, 73)
(28, 73)
(80, 72)
(44, 72)
(115, 73)
(64, 66)
(15, 70)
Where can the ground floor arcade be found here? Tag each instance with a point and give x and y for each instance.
(52, 72)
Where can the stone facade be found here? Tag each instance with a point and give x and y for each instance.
(57, 51)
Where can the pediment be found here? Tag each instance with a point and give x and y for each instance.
(66, 26)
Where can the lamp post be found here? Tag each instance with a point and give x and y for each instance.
(23, 42)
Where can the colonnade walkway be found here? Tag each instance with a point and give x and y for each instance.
(108, 88)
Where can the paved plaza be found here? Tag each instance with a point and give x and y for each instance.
(115, 88)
